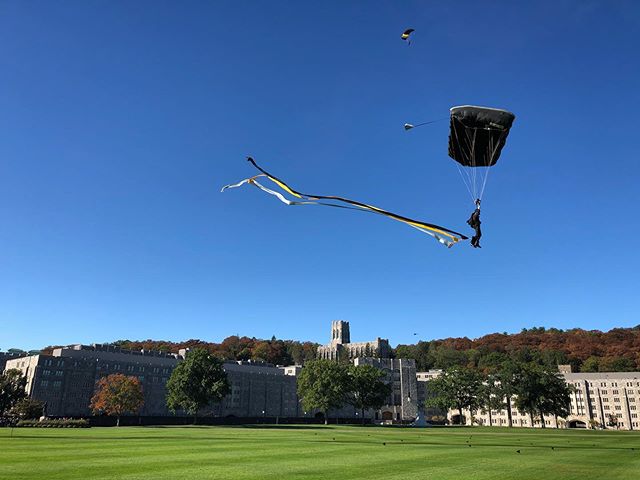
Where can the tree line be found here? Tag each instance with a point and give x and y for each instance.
(585, 350)
(533, 389)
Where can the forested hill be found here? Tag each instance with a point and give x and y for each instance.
(587, 351)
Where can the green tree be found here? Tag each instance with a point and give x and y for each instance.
(591, 364)
(27, 409)
(492, 396)
(196, 382)
(322, 385)
(117, 395)
(12, 385)
(541, 391)
(457, 387)
(367, 387)
(506, 379)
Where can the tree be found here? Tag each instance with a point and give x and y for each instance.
(367, 387)
(457, 387)
(591, 364)
(117, 395)
(12, 385)
(28, 408)
(541, 391)
(322, 385)
(506, 378)
(196, 382)
(492, 396)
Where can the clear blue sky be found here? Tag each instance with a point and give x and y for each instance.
(120, 121)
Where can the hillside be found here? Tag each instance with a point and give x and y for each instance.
(586, 350)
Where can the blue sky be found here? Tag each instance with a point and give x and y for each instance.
(120, 122)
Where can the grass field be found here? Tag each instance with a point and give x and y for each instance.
(315, 452)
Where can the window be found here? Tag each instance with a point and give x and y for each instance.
(47, 363)
(618, 407)
(59, 373)
(44, 383)
(46, 372)
(616, 392)
(632, 407)
(57, 384)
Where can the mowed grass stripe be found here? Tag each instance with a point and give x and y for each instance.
(317, 452)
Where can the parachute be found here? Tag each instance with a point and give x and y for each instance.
(476, 139)
(405, 35)
(443, 235)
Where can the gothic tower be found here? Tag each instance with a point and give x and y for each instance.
(340, 332)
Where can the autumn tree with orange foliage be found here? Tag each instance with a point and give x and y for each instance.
(117, 395)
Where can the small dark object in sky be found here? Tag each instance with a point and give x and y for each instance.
(405, 35)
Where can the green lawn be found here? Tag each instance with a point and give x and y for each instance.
(317, 452)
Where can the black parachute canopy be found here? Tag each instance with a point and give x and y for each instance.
(478, 134)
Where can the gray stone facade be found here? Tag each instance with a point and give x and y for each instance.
(65, 380)
(402, 405)
(4, 356)
(260, 390)
(340, 346)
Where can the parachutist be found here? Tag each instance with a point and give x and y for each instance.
(474, 222)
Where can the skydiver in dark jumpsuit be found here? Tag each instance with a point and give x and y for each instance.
(474, 222)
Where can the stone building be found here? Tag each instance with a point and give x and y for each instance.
(402, 405)
(260, 390)
(608, 400)
(340, 345)
(4, 356)
(65, 380)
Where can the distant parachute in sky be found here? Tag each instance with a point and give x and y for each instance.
(406, 34)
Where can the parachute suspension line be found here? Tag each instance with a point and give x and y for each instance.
(484, 183)
(464, 171)
(473, 164)
(492, 149)
(464, 180)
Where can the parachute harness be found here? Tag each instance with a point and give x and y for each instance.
(443, 235)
